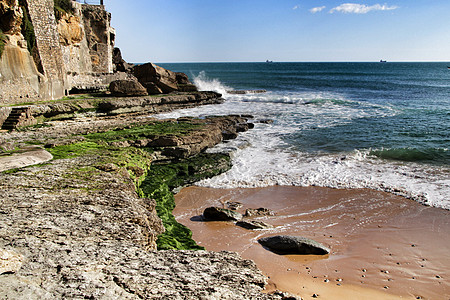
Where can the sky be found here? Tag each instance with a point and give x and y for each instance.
(281, 30)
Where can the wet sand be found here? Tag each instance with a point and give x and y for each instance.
(382, 246)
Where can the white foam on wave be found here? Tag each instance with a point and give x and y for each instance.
(258, 167)
(261, 157)
(204, 83)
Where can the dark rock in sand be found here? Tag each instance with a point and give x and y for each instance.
(253, 225)
(250, 212)
(127, 88)
(284, 244)
(221, 214)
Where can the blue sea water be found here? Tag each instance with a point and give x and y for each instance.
(383, 126)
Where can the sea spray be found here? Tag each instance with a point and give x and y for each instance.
(203, 83)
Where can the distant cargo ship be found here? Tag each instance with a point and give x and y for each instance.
(383, 61)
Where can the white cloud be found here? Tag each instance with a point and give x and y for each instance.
(317, 9)
(295, 7)
(354, 8)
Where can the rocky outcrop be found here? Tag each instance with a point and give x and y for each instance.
(119, 64)
(127, 88)
(284, 244)
(158, 104)
(10, 17)
(76, 228)
(158, 80)
(155, 79)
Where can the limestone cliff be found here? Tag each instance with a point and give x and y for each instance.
(44, 57)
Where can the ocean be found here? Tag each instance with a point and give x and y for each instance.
(381, 126)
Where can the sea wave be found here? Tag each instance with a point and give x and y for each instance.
(432, 155)
(272, 154)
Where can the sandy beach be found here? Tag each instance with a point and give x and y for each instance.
(382, 246)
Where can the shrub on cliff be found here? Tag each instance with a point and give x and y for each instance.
(61, 7)
(27, 27)
(2, 42)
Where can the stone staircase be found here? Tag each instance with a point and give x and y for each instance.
(19, 117)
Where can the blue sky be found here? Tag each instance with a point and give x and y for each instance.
(281, 30)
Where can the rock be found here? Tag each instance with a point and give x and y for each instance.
(10, 17)
(266, 121)
(187, 88)
(283, 244)
(121, 88)
(155, 78)
(70, 30)
(182, 78)
(120, 65)
(10, 261)
(233, 205)
(253, 225)
(250, 212)
(221, 214)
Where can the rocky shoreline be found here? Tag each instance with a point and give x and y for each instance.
(79, 226)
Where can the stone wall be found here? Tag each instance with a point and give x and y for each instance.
(47, 40)
(4, 113)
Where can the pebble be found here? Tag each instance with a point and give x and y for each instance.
(385, 271)
(437, 276)
(364, 270)
(363, 276)
(326, 280)
(315, 295)
(339, 279)
(386, 287)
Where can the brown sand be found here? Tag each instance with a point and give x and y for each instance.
(383, 246)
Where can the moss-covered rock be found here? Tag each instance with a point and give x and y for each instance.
(162, 179)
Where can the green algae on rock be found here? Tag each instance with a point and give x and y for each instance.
(162, 179)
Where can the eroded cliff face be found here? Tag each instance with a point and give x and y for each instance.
(19, 77)
(72, 52)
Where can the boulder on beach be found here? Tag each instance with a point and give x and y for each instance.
(220, 214)
(126, 88)
(250, 212)
(156, 79)
(253, 225)
(284, 244)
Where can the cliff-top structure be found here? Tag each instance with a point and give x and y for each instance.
(48, 48)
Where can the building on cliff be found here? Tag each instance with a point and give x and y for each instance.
(46, 51)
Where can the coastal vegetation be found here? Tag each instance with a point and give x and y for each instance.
(27, 28)
(2, 42)
(152, 179)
